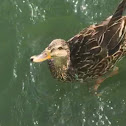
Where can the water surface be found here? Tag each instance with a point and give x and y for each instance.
(29, 96)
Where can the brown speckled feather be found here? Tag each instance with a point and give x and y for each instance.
(96, 49)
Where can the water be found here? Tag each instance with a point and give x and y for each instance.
(29, 96)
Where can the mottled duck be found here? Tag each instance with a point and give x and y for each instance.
(90, 55)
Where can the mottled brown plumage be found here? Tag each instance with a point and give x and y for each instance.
(90, 54)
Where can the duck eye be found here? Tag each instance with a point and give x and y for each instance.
(60, 48)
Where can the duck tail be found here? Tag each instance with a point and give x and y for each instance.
(119, 12)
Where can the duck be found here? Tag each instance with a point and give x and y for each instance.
(92, 54)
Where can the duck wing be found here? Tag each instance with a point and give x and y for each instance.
(114, 35)
(96, 42)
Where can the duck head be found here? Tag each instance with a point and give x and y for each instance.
(57, 50)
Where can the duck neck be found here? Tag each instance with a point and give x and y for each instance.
(59, 67)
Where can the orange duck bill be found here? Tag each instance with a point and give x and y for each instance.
(41, 57)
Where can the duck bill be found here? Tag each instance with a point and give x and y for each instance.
(41, 57)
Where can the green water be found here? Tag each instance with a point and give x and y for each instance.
(29, 96)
